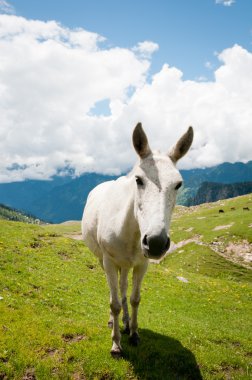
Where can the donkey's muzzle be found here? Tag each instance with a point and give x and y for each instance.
(155, 246)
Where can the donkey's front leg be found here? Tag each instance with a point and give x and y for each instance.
(123, 288)
(138, 274)
(115, 305)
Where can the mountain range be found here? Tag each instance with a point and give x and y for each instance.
(225, 173)
(212, 191)
(53, 201)
(63, 197)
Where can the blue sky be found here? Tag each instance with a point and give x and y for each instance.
(76, 76)
(188, 32)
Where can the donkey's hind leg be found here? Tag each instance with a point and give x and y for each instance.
(123, 287)
(115, 304)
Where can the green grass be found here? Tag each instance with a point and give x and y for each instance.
(64, 228)
(55, 306)
(203, 219)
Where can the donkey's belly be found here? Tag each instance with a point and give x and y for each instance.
(91, 242)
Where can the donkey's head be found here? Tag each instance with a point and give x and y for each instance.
(157, 182)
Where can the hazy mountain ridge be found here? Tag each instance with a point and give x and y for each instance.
(67, 201)
(55, 200)
(63, 197)
(225, 173)
(22, 195)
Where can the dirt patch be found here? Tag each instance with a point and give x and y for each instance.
(74, 236)
(63, 255)
(182, 279)
(217, 228)
(29, 375)
(242, 251)
(175, 246)
(237, 252)
(78, 376)
(180, 244)
(73, 338)
(189, 229)
(51, 352)
(70, 222)
(91, 266)
(35, 244)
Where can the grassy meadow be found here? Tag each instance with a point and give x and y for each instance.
(195, 316)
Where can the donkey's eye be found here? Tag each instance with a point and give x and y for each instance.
(178, 185)
(139, 181)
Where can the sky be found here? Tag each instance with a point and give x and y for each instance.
(76, 77)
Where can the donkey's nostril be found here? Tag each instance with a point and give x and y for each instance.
(145, 242)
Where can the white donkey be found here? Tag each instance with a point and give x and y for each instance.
(126, 222)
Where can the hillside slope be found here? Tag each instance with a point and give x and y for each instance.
(8, 213)
(224, 226)
(193, 316)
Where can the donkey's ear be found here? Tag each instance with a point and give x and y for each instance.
(140, 141)
(182, 146)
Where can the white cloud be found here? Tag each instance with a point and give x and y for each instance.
(220, 111)
(52, 78)
(6, 7)
(226, 3)
(146, 48)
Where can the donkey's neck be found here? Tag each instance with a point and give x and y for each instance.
(129, 228)
(130, 204)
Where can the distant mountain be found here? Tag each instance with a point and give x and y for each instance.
(223, 173)
(21, 195)
(66, 202)
(55, 200)
(63, 197)
(212, 192)
(8, 213)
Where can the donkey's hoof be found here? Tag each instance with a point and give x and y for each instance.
(134, 339)
(116, 353)
(126, 330)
